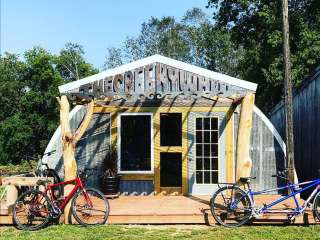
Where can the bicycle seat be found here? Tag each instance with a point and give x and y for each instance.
(246, 179)
(42, 182)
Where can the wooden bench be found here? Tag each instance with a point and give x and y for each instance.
(12, 184)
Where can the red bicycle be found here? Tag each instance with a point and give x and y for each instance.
(35, 209)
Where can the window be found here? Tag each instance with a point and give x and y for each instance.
(135, 142)
(170, 169)
(207, 139)
(170, 129)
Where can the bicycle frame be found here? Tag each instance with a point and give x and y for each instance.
(78, 185)
(299, 209)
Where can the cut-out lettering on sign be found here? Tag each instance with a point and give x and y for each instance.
(154, 81)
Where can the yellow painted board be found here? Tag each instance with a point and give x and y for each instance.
(132, 177)
(230, 148)
(115, 111)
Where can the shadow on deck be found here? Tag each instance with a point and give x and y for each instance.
(179, 210)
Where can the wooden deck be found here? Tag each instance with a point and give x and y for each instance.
(178, 210)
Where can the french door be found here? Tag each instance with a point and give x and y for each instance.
(206, 142)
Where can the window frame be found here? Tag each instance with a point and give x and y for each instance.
(151, 171)
(195, 152)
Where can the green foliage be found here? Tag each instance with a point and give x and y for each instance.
(71, 64)
(194, 39)
(28, 89)
(257, 27)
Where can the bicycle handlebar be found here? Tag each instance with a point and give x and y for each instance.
(281, 174)
(87, 172)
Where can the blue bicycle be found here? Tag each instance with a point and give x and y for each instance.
(233, 206)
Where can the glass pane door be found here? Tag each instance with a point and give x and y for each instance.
(207, 150)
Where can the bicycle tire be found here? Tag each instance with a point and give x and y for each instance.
(104, 210)
(241, 217)
(28, 226)
(316, 207)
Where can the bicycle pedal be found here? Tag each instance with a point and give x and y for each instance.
(291, 218)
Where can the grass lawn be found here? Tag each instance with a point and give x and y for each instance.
(164, 232)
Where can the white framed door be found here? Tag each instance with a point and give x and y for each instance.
(206, 144)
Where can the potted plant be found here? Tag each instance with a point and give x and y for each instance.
(110, 181)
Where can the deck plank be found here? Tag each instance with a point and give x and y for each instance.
(179, 210)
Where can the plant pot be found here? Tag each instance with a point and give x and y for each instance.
(110, 185)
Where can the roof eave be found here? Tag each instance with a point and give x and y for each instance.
(164, 60)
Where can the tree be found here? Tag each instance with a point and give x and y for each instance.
(71, 63)
(28, 89)
(256, 26)
(12, 83)
(194, 39)
(113, 58)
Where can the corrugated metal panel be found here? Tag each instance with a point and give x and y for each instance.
(92, 148)
(138, 187)
(306, 121)
(55, 160)
(266, 154)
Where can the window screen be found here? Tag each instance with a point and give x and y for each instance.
(170, 170)
(170, 129)
(135, 143)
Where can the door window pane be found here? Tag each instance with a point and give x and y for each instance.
(206, 163)
(206, 177)
(199, 136)
(199, 124)
(199, 163)
(214, 177)
(206, 136)
(199, 176)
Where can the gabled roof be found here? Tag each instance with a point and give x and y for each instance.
(164, 60)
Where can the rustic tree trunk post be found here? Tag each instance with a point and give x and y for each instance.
(69, 141)
(244, 162)
(288, 91)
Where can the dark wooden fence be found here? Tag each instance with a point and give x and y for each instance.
(306, 124)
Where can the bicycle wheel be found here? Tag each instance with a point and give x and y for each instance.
(31, 211)
(316, 207)
(231, 206)
(87, 214)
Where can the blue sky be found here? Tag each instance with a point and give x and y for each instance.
(95, 24)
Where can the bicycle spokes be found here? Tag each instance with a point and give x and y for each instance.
(90, 207)
(231, 206)
(31, 210)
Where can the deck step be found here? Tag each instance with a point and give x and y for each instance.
(3, 208)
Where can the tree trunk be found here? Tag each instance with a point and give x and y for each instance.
(244, 162)
(69, 142)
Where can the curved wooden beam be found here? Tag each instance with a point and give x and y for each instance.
(85, 123)
(244, 162)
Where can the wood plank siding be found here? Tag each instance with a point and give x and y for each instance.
(306, 124)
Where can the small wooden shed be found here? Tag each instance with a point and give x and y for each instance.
(175, 127)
